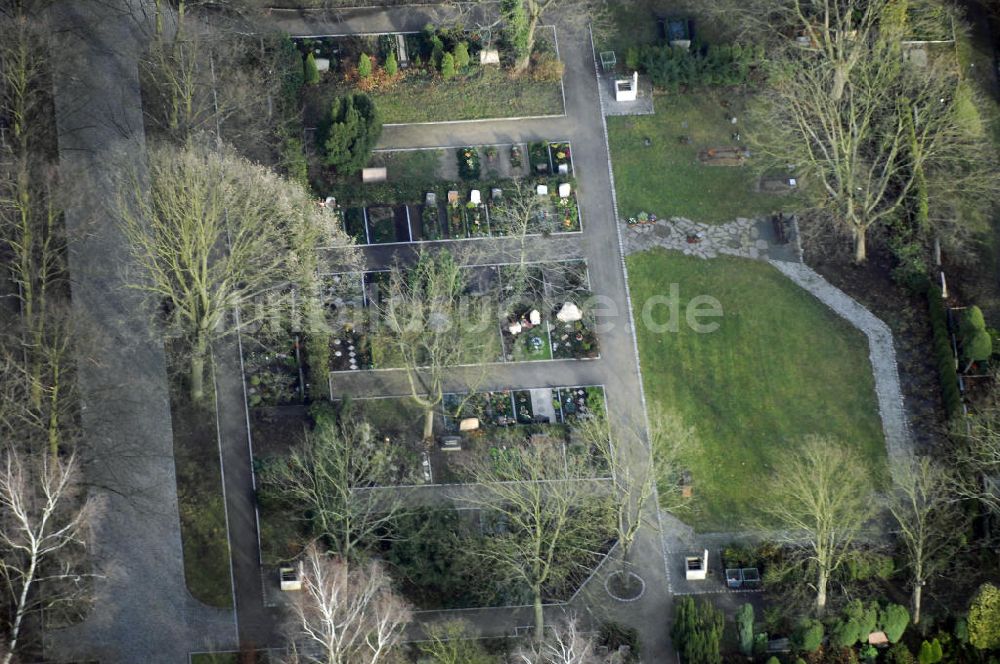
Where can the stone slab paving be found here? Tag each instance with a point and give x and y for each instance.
(742, 237)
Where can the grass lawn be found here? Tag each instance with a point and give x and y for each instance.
(780, 366)
(409, 165)
(199, 495)
(665, 177)
(487, 92)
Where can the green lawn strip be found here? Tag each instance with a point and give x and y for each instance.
(409, 165)
(487, 92)
(781, 366)
(665, 177)
(199, 494)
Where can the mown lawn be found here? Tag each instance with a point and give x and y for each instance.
(780, 366)
(665, 177)
(204, 535)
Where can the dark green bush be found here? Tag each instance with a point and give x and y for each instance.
(943, 355)
(808, 636)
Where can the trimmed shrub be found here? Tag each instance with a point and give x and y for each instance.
(448, 66)
(972, 321)
(808, 636)
(391, 64)
(978, 347)
(365, 66)
(311, 71)
(984, 618)
(461, 55)
(930, 652)
(947, 371)
(893, 620)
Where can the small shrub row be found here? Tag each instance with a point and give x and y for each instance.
(672, 67)
(943, 355)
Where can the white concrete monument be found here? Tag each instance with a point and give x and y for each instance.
(627, 89)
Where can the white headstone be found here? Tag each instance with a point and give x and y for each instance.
(563, 169)
(515, 328)
(542, 190)
(322, 64)
(489, 56)
(535, 318)
(564, 190)
(569, 313)
(475, 197)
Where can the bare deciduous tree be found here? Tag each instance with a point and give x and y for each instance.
(214, 232)
(328, 474)
(42, 518)
(345, 614)
(928, 516)
(429, 324)
(565, 643)
(549, 519)
(821, 500)
(639, 469)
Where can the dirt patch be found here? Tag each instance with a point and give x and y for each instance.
(276, 429)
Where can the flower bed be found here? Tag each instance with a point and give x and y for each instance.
(515, 156)
(476, 220)
(574, 402)
(538, 159)
(568, 213)
(456, 221)
(574, 341)
(523, 410)
(430, 222)
(560, 155)
(468, 163)
(273, 377)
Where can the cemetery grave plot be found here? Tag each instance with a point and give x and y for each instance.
(272, 358)
(488, 424)
(553, 294)
(388, 224)
(463, 202)
(418, 92)
(572, 332)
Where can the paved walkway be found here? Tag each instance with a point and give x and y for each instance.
(142, 612)
(599, 243)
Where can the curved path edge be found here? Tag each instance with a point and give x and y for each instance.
(882, 353)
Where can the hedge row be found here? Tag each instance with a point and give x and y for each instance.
(943, 354)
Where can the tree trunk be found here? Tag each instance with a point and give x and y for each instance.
(15, 627)
(522, 62)
(821, 584)
(539, 615)
(197, 376)
(54, 413)
(429, 424)
(860, 245)
(839, 82)
(918, 589)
